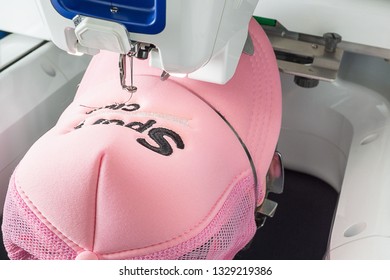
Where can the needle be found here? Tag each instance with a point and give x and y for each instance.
(122, 73)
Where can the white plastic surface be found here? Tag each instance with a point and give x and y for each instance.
(372, 248)
(358, 21)
(340, 132)
(103, 35)
(197, 33)
(15, 45)
(33, 93)
(23, 17)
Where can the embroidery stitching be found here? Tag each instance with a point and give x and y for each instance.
(158, 141)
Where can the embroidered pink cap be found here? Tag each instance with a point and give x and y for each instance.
(174, 172)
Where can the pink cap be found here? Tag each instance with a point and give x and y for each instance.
(169, 173)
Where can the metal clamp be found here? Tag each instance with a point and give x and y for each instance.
(274, 184)
(305, 56)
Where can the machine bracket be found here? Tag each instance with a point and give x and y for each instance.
(306, 56)
(313, 58)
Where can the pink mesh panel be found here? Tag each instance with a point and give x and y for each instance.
(25, 236)
(230, 230)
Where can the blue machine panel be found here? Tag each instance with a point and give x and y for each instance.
(139, 16)
(3, 34)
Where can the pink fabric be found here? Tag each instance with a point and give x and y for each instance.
(114, 192)
(25, 235)
(230, 230)
(121, 177)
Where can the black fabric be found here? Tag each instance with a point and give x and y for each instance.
(3, 253)
(301, 226)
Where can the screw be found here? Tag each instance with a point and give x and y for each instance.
(114, 10)
(305, 82)
(331, 41)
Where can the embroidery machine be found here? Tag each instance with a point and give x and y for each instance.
(334, 65)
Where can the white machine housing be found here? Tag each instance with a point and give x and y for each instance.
(202, 38)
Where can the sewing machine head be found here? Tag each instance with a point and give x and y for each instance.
(202, 39)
